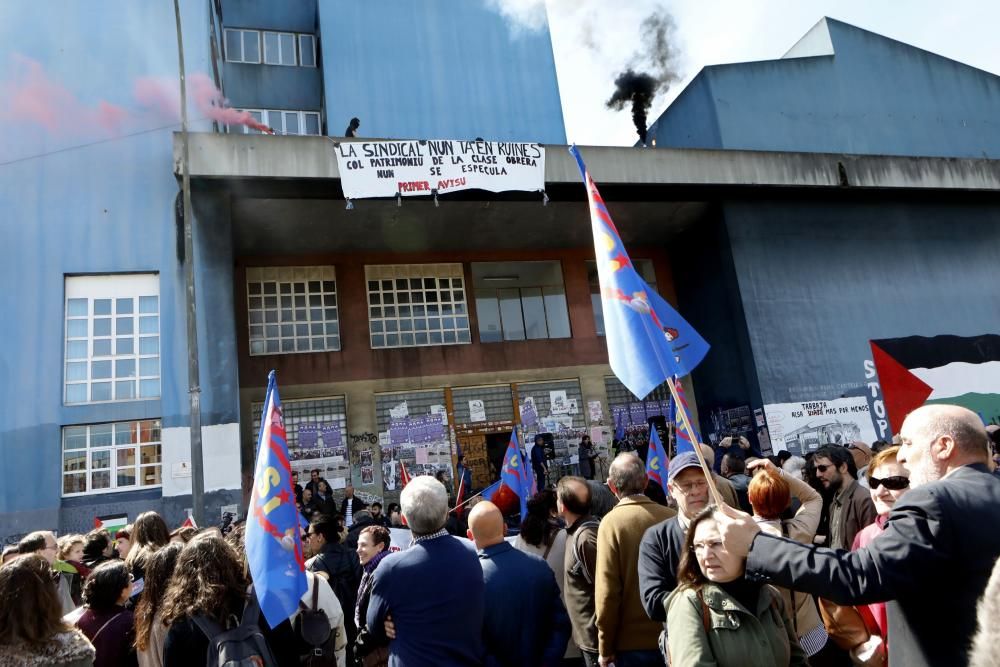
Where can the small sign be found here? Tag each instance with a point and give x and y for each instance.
(179, 470)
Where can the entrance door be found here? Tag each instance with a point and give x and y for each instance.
(496, 447)
(476, 459)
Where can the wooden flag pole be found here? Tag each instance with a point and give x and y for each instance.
(682, 411)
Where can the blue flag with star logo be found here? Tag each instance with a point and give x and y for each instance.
(656, 460)
(648, 341)
(515, 474)
(273, 541)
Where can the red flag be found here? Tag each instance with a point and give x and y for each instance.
(404, 477)
(189, 523)
(904, 392)
(97, 522)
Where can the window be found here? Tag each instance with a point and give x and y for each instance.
(111, 457)
(242, 46)
(283, 122)
(327, 416)
(643, 266)
(280, 48)
(112, 338)
(292, 309)
(417, 304)
(520, 300)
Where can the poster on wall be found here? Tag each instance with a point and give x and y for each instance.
(595, 412)
(418, 167)
(808, 425)
(477, 411)
(529, 413)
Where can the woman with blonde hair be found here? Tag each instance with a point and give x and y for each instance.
(32, 631)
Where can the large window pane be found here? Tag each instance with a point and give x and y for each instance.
(300, 326)
(488, 309)
(307, 52)
(534, 312)
(234, 49)
(287, 49)
(510, 314)
(556, 312)
(291, 122)
(251, 46)
(112, 460)
(402, 292)
(272, 54)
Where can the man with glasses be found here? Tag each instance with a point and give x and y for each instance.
(850, 505)
(932, 561)
(338, 565)
(662, 545)
(43, 543)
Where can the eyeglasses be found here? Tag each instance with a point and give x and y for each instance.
(693, 487)
(702, 547)
(894, 483)
(823, 468)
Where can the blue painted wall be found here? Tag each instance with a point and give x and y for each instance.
(819, 279)
(874, 96)
(437, 69)
(78, 197)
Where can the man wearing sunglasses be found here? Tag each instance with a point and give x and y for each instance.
(932, 561)
(850, 506)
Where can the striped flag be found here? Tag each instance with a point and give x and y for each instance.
(656, 460)
(685, 443)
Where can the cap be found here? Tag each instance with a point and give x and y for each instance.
(682, 462)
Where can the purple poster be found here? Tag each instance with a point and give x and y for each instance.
(308, 434)
(331, 435)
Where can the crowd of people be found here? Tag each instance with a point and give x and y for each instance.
(858, 554)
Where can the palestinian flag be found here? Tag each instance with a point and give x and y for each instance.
(940, 369)
(111, 522)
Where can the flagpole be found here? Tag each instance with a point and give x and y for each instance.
(682, 411)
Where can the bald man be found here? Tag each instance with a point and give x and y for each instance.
(933, 559)
(525, 621)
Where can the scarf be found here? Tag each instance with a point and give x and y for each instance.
(365, 588)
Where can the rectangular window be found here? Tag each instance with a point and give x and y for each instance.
(307, 50)
(242, 46)
(112, 338)
(645, 270)
(111, 457)
(283, 122)
(292, 309)
(413, 305)
(520, 301)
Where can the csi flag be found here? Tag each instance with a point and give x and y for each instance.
(685, 441)
(656, 460)
(273, 543)
(515, 474)
(648, 341)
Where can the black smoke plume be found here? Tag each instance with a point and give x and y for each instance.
(657, 55)
(639, 89)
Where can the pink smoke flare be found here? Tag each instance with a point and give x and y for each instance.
(162, 95)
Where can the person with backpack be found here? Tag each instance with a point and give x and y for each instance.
(209, 611)
(339, 566)
(718, 616)
(579, 564)
(319, 625)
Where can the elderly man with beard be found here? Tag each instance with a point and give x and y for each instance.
(930, 564)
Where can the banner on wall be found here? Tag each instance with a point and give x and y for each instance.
(806, 426)
(413, 168)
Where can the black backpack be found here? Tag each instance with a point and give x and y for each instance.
(312, 626)
(242, 646)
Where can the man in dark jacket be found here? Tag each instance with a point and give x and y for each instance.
(339, 565)
(538, 462)
(933, 559)
(525, 624)
(851, 507)
(349, 505)
(580, 564)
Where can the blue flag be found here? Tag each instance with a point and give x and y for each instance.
(515, 474)
(491, 490)
(273, 543)
(685, 442)
(648, 341)
(656, 460)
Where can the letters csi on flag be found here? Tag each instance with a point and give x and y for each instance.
(648, 341)
(273, 543)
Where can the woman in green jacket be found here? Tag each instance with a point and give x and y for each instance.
(717, 617)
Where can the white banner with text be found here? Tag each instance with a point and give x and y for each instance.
(411, 168)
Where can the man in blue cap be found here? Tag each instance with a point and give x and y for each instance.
(662, 545)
